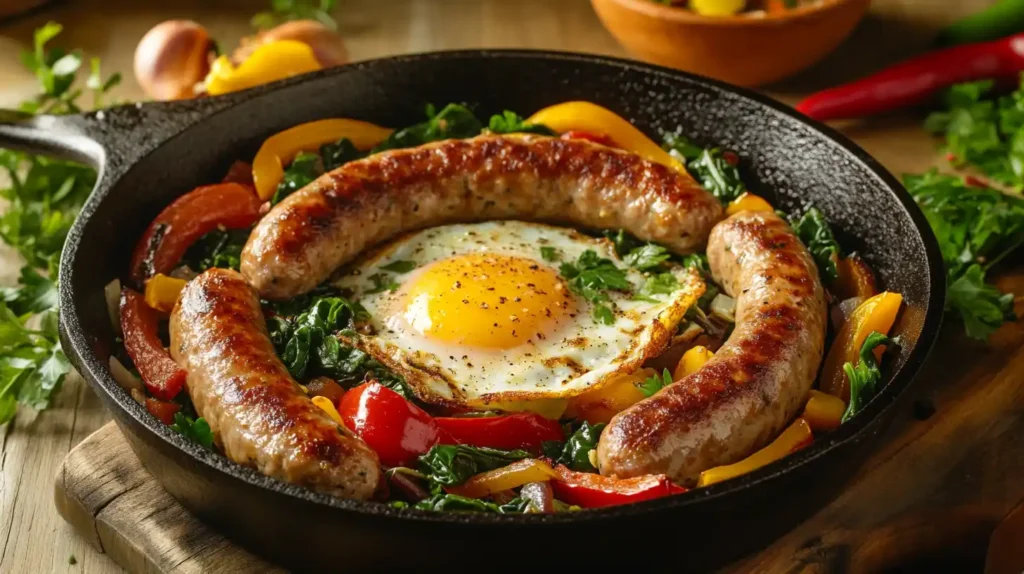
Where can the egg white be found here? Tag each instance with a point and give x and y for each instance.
(581, 354)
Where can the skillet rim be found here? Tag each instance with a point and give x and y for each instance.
(96, 372)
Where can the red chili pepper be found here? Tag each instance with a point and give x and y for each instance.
(912, 82)
(162, 376)
(589, 490)
(526, 431)
(589, 136)
(191, 216)
(396, 429)
(162, 410)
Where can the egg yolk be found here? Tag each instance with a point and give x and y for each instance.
(486, 300)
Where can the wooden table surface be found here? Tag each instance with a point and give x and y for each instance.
(33, 538)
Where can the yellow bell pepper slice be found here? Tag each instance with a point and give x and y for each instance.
(547, 408)
(328, 407)
(589, 117)
(281, 148)
(691, 361)
(514, 475)
(268, 63)
(717, 7)
(601, 404)
(876, 314)
(748, 202)
(823, 412)
(162, 292)
(795, 437)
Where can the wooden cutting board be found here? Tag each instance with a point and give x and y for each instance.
(949, 469)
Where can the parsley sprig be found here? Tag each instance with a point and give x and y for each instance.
(591, 277)
(44, 195)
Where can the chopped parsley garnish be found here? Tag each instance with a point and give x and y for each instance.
(399, 267)
(658, 284)
(549, 253)
(647, 257)
(591, 277)
(655, 383)
(382, 282)
(707, 165)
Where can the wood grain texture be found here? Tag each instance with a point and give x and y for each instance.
(33, 538)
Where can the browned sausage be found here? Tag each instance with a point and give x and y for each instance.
(758, 380)
(317, 229)
(257, 412)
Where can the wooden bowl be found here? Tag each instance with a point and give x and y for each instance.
(742, 50)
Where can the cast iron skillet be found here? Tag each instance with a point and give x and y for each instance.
(149, 154)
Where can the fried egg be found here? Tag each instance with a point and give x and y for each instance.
(480, 314)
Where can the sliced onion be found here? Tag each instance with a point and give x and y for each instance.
(112, 294)
(723, 307)
(123, 376)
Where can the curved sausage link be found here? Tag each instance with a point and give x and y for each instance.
(319, 228)
(758, 380)
(257, 412)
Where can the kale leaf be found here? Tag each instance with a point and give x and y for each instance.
(814, 231)
(220, 248)
(303, 170)
(575, 451)
(454, 503)
(451, 465)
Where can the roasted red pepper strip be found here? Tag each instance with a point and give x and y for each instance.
(589, 490)
(396, 429)
(162, 410)
(589, 136)
(162, 376)
(914, 81)
(526, 431)
(191, 216)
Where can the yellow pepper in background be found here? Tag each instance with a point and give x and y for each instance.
(823, 412)
(601, 404)
(589, 117)
(717, 7)
(328, 407)
(691, 361)
(795, 437)
(162, 292)
(876, 314)
(268, 63)
(281, 148)
(748, 202)
(514, 475)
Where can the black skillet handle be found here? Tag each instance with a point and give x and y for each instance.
(109, 140)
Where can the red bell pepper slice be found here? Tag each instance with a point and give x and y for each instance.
(396, 429)
(589, 136)
(180, 224)
(162, 376)
(589, 490)
(526, 431)
(162, 410)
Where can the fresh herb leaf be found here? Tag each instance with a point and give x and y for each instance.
(456, 503)
(450, 465)
(382, 282)
(35, 293)
(717, 175)
(453, 121)
(510, 122)
(399, 266)
(304, 169)
(623, 241)
(865, 377)
(814, 231)
(549, 253)
(698, 261)
(282, 11)
(196, 430)
(679, 146)
(659, 284)
(339, 153)
(655, 383)
(591, 277)
(575, 452)
(976, 227)
(218, 248)
(647, 257)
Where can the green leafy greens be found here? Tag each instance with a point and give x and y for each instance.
(44, 197)
(451, 465)
(219, 248)
(591, 277)
(510, 122)
(976, 228)
(282, 11)
(865, 377)
(442, 502)
(814, 231)
(655, 383)
(710, 166)
(575, 451)
(197, 430)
